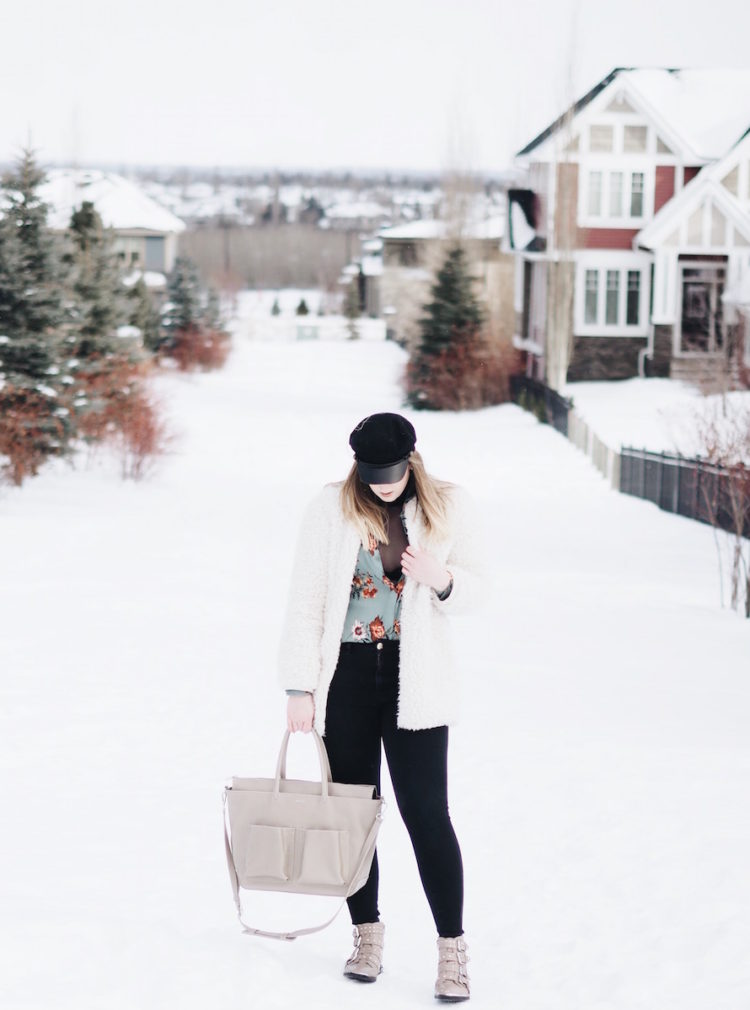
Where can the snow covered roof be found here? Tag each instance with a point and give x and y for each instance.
(708, 109)
(490, 228)
(671, 225)
(120, 203)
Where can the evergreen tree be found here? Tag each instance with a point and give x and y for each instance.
(99, 299)
(302, 309)
(184, 309)
(454, 367)
(454, 314)
(34, 371)
(144, 315)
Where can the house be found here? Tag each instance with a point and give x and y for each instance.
(145, 233)
(632, 231)
(412, 254)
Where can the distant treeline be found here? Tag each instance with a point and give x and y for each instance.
(293, 255)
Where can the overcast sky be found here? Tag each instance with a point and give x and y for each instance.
(422, 84)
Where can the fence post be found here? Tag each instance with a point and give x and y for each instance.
(676, 488)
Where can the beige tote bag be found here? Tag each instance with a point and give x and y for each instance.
(298, 836)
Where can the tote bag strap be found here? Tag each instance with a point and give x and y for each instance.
(367, 851)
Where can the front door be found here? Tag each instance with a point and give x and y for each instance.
(701, 323)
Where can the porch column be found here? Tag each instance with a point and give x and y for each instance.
(665, 288)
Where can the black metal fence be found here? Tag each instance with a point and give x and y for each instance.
(690, 487)
(540, 400)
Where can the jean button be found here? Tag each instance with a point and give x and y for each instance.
(379, 645)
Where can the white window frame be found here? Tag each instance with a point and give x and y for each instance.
(602, 263)
(627, 168)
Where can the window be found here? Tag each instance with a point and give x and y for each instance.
(601, 138)
(635, 139)
(615, 194)
(613, 297)
(636, 194)
(595, 194)
(591, 309)
(632, 310)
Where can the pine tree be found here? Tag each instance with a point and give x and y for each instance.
(34, 373)
(276, 308)
(194, 337)
(454, 367)
(302, 309)
(454, 314)
(99, 299)
(184, 310)
(143, 314)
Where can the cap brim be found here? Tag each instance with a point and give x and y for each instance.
(388, 473)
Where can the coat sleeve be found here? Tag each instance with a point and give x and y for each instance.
(465, 558)
(299, 656)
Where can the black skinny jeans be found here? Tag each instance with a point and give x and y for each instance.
(360, 712)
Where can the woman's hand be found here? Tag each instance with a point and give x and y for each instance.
(421, 565)
(300, 711)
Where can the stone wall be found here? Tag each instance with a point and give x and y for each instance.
(596, 358)
(659, 365)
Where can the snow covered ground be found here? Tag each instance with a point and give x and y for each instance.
(662, 415)
(599, 777)
(255, 321)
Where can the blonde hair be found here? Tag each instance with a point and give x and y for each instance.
(361, 507)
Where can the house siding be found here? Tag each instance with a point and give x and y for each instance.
(596, 358)
(663, 186)
(607, 238)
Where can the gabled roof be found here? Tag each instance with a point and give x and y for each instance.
(669, 220)
(120, 203)
(708, 109)
(576, 108)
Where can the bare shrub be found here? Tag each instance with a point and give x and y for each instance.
(723, 433)
(195, 348)
(468, 374)
(119, 409)
(29, 429)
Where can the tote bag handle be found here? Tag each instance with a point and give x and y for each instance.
(325, 767)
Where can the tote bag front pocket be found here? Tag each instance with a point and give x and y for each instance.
(269, 853)
(322, 856)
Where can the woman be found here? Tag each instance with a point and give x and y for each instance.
(382, 558)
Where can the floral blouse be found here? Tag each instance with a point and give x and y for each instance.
(375, 601)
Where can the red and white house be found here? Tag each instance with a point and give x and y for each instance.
(644, 185)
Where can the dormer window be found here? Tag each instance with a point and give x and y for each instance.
(635, 139)
(601, 138)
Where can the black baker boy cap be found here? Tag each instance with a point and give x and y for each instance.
(382, 444)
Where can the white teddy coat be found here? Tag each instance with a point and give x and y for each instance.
(324, 562)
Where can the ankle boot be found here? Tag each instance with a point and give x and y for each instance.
(452, 984)
(366, 962)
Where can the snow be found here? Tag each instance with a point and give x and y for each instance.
(599, 776)
(151, 278)
(256, 321)
(662, 415)
(708, 107)
(121, 204)
(492, 227)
